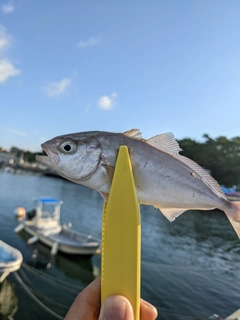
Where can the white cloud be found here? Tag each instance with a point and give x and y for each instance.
(8, 8)
(5, 39)
(55, 89)
(107, 102)
(19, 133)
(90, 42)
(7, 70)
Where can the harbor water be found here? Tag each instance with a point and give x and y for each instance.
(190, 269)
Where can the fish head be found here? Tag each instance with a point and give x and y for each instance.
(73, 157)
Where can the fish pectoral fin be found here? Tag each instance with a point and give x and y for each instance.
(104, 195)
(171, 213)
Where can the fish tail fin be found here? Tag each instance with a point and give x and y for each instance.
(234, 216)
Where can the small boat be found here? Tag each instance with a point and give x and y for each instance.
(20, 213)
(231, 194)
(43, 225)
(234, 316)
(10, 260)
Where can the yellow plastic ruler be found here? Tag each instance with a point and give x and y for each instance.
(121, 236)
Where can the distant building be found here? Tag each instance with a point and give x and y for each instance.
(7, 158)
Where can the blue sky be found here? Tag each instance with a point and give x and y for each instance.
(160, 66)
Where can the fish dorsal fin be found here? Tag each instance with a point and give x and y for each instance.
(205, 176)
(133, 133)
(172, 213)
(165, 142)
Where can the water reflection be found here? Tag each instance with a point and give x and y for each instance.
(8, 301)
(190, 266)
(73, 266)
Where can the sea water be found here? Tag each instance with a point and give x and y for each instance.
(190, 269)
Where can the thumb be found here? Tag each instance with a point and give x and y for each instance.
(116, 307)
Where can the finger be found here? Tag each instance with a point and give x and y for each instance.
(87, 304)
(147, 311)
(116, 307)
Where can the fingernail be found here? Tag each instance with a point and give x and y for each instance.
(113, 308)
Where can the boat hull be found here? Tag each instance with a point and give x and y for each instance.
(10, 260)
(68, 241)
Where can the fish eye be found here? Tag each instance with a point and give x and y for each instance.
(68, 147)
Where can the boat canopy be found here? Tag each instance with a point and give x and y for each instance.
(47, 200)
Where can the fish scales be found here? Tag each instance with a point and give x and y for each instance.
(163, 178)
(167, 175)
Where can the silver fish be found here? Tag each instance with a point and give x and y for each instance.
(163, 178)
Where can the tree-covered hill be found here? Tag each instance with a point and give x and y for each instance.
(221, 156)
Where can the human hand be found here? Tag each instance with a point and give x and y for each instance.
(87, 306)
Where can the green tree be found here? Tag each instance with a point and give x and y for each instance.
(220, 156)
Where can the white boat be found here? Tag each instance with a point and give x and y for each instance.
(234, 316)
(44, 226)
(10, 260)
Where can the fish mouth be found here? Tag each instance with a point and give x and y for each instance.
(45, 159)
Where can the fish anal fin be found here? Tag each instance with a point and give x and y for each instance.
(133, 133)
(172, 213)
(234, 216)
(105, 195)
(235, 225)
(165, 142)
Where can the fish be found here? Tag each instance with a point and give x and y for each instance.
(163, 177)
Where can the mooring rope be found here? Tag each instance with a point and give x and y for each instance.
(35, 298)
(35, 291)
(74, 288)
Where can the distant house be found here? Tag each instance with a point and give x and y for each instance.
(7, 158)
